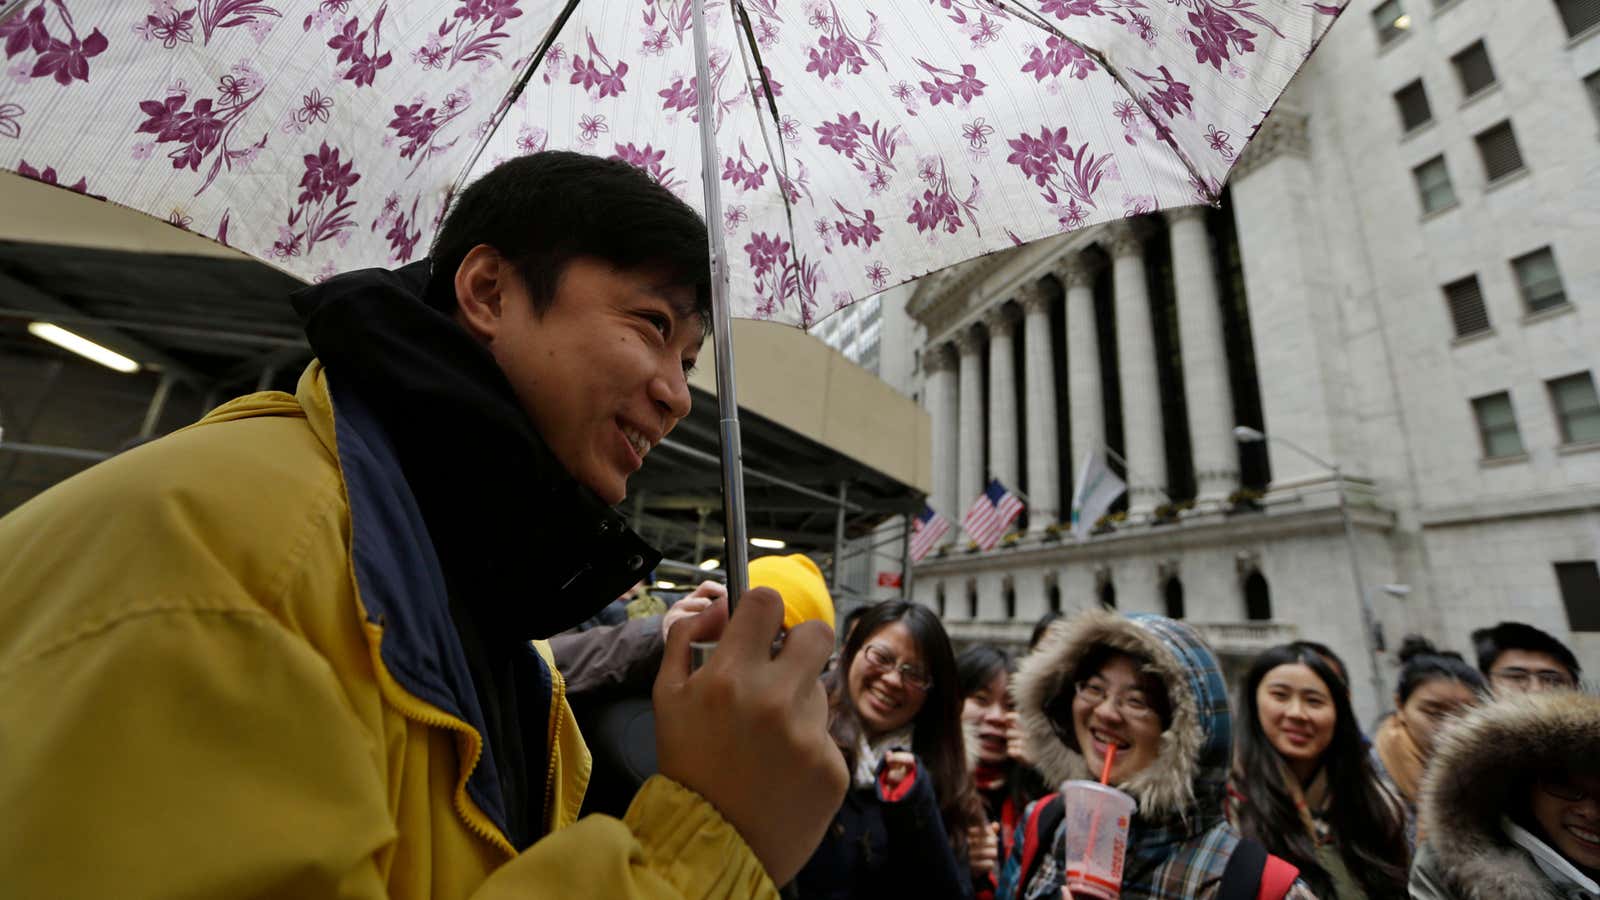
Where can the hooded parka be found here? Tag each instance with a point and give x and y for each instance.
(1179, 842)
(228, 666)
(1480, 765)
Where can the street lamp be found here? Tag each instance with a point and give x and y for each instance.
(1247, 435)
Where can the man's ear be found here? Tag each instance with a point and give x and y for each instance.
(480, 285)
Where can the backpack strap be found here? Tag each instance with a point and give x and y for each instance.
(1255, 874)
(1277, 878)
(1042, 823)
(1241, 880)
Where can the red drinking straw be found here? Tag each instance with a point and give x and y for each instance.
(1105, 770)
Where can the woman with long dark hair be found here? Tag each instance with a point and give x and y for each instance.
(896, 715)
(1004, 785)
(1436, 688)
(1304, 784)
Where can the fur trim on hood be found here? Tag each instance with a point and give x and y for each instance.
(1479, 764)
(1190, 772)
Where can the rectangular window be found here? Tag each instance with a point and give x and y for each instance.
(1433, 184)
(1579, 15)
(1539, 280)
(1577, 408)
(1580, 593)
(1497, 426)
(1390, 20)
(1467, 311)
(1473, 68)
(1412, 101)
(1498, 149)
(1592, 84)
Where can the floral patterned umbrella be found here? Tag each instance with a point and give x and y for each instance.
(850, 145)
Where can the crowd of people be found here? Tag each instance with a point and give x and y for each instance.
(361, 641)
(1480, 783)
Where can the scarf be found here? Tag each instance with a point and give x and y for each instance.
(870, 754)
(991, 776)
(1401, 758)
(1560, 870)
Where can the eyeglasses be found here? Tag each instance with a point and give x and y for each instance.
(1130, 704)
(1523, 678)
(912, 676)
(1563, 790)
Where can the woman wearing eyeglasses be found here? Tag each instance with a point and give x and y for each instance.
(896, 716)
(1304, 783)
(1150, 687)
(1511, 803)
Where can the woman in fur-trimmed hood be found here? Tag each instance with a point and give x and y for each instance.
(1151, 685)
(1511, 804)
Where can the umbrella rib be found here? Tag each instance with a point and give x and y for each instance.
(1038, 21)
(781, 158)
(517, 87)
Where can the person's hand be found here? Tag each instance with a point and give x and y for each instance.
(1016, 741)
(695, 603)
(983, 847)
(748, 731)
(898, 765)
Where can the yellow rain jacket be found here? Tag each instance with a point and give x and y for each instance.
(196, 700)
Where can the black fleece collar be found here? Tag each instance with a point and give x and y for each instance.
(522, 544)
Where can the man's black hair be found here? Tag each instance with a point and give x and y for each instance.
(1491, 642)
(543, 210)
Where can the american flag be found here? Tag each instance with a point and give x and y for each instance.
(926, 533)
(991, 514)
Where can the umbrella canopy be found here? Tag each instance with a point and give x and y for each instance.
(858, 145)
(835, 147)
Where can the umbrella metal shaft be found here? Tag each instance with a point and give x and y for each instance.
(737, 549)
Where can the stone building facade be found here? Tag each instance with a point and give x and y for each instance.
(1408, 290)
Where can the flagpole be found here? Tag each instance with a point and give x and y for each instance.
(1129, 469)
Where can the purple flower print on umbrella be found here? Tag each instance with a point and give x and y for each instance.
(963, 84)
(48, 176)
(321, 211)
(172, 25)
(64, 60)
(649, 159)
(351, 42)
(1219, 141)
(403, 233)
(1042, 158)
(420, 125)
(939, 207)
(1056, 56)
(1171, 95)
(857, 227)
(473, 30)
(1216, 31)
(870, 148)
(9, 126)
(208, 125)
(598, 76)
(837, 49)
(744, 173)
(878, 274)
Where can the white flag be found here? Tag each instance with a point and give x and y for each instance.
(1097, 488)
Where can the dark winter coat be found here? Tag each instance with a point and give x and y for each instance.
(1478, 774)
(883, 845)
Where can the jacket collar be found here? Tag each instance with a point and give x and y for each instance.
(1564, 875)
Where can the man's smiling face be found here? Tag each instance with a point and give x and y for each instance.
(602, 371)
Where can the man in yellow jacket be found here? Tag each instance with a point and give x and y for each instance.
(294, 649)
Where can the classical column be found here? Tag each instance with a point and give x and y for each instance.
(1290, 278)
(1205, 359)
(944, 406)
(1136, 373)
(970, 443)
(1039, 395)
(1086, 428)
(1002, 323)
